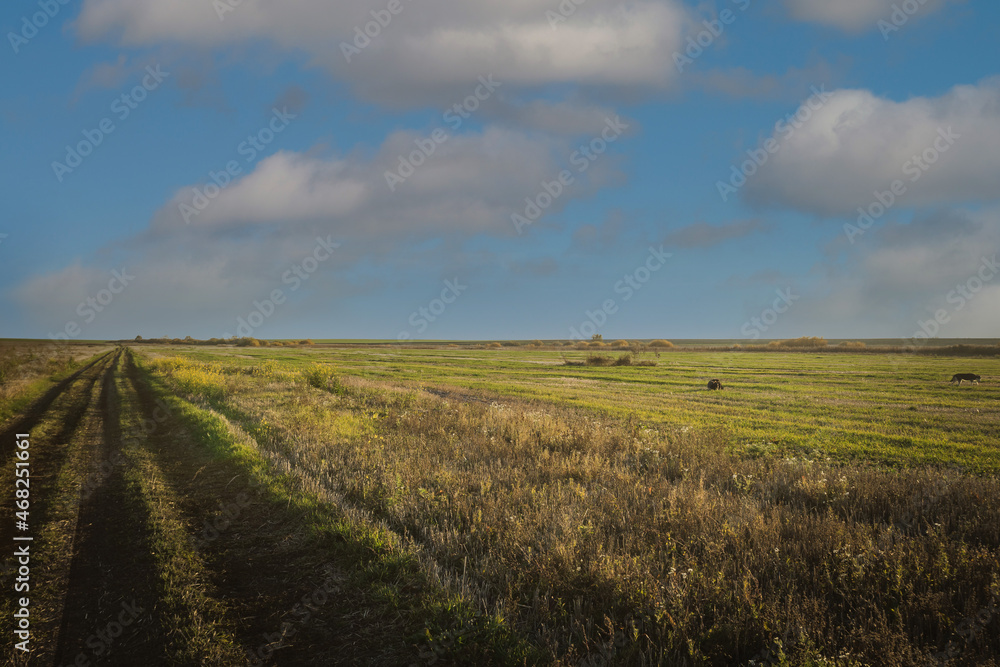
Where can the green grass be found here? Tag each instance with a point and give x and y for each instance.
(628, 514)
(889, 409)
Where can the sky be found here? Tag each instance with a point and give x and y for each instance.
(500, 169)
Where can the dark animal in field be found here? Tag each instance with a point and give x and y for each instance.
(714, 384)
(966, 377)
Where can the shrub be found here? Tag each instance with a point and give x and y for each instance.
(599, 360)
(323, 377)
(661, 343)
(266, 369)
(802, 341)
(624, 360)
(853, 345)
(620, 343)
(493, 346)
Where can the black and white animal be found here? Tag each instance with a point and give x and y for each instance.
(714, 384)
(966, 377)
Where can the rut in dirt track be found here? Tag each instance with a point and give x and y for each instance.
(112, 576)
(48, 457)
(264, 559)
(253, 580)
(36, 412)
(261, 562)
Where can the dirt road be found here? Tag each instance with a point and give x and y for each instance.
(148, 548)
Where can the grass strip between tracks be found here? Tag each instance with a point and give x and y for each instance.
(380, 569)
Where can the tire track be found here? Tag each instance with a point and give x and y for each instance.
(37, 411)
(57, 461)
(111, 614)
(170, 471)
(261, 558)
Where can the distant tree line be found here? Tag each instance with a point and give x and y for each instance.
(234, 341)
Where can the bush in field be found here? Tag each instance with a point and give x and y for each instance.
(803, 341)
(624, 360)
(605, 360)
(620, 343)
(324, 377)
(206, 380)
(853, 345)
(599, 360)
(661, 343)
(493, 346)
(266, 369)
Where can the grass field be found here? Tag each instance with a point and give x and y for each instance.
(450, 505)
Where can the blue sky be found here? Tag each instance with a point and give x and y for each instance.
(308, 239)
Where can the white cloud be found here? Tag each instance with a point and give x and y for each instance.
(902, 275)
(858, 144)
(469, 185)
(238, 247)
(854, 15)
(429, 46)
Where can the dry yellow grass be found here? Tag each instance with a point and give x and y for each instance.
(602, 539)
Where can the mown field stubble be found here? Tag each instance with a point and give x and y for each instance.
(450, 505)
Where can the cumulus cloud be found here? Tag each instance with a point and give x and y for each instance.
(469, 185)
(238, 247)
(426, 48)
(943, 150)
(853, 15)
(903, 274)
